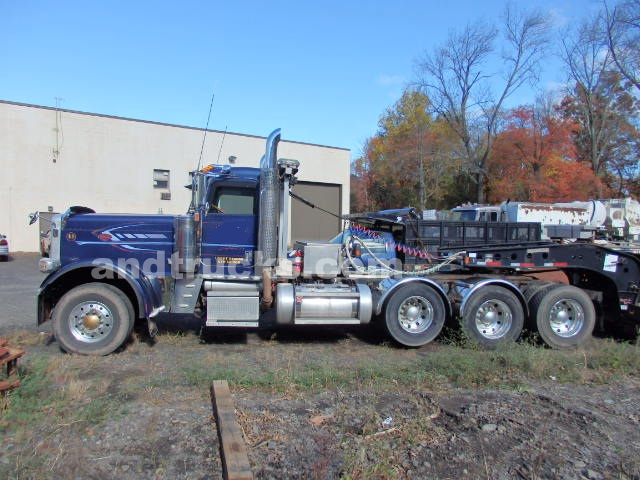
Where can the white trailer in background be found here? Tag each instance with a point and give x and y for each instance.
(617, 219)
(623, 218)
(558, 220)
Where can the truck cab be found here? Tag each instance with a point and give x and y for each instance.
(476, 213)
(229, 221)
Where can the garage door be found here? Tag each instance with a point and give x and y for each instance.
(310, 223)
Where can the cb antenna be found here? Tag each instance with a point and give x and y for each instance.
(204, 137)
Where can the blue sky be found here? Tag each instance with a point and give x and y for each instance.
(324, 72)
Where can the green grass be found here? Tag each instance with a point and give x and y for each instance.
(25, 406)
(303, 368)
(49, 401)
(508, 367)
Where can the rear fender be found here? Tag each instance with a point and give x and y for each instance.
(467, 288)
(144, 291)
(389, 285)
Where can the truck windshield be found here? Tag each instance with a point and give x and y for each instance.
(463, 215)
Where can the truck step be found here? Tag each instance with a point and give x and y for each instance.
(185, 295)
(233, 307)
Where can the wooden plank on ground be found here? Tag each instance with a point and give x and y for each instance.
(9, 384)
(235, 460)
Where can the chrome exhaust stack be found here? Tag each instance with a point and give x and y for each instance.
(269, 192)
(269, 216)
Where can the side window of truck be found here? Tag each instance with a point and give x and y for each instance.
(233, 201)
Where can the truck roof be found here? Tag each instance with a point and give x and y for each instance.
(245, 173)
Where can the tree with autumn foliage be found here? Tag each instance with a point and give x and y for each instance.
(452, 141)
(470, 100)
(605, 133)
(385, 176)
(601, 104)
(534, 159)
(409, 161)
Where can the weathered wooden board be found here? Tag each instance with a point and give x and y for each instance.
(235, 460)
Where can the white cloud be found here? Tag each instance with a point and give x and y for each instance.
(555, 87)
(558, 18)
(390, 80)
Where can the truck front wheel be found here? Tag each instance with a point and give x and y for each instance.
(93, 319)
(415, 315)
(492, 316)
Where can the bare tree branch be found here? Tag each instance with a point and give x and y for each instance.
(621, 29)
(459, 85)
(589, 64)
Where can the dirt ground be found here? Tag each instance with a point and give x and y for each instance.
(162, 427)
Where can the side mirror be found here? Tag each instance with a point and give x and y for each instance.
(33, 217)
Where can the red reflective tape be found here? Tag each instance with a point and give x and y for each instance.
(561, 264)
(494, 264)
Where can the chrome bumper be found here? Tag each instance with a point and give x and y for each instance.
(48, 265)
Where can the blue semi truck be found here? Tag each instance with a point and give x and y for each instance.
(228, 261)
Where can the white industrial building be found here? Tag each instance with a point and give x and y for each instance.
(52, 158)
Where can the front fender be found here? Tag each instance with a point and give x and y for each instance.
(143, 290)
(389, 285)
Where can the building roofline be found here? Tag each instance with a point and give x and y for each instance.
(115, 117)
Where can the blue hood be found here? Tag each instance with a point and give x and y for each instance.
(143, 239)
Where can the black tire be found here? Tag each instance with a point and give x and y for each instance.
(414, 315)
(93, 319)
(564, 315)
(531, 291)
(536, 287)
(492, 316)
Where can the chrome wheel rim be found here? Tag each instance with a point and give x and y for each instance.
(415, 314)
(566, 318)
(90, 321)
(493, 319)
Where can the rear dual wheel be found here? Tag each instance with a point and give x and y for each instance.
(415, 315)
(492, 316)
(565, 316)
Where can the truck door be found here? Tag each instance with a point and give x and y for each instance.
(229, 232)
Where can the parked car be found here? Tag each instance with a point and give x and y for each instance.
(4, 248)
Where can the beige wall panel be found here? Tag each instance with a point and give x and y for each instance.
(107, 164)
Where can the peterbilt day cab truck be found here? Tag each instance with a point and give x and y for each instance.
(228, 260)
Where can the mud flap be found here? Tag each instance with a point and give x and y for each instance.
(151, 323)
(153, 328)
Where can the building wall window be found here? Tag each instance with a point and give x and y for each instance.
(161, 179)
